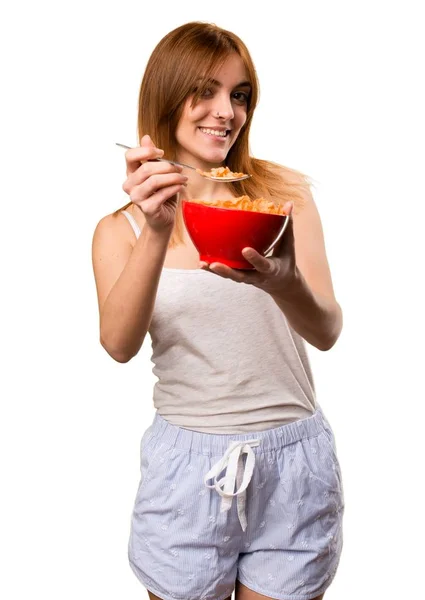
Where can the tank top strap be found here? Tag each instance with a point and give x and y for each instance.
(132, 222)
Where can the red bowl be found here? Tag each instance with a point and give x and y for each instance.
(220, 234)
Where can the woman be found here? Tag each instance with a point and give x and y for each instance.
(240, 482)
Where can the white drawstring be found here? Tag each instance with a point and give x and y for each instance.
(232, 459)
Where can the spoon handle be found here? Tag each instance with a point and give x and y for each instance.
(173, 162)
(210, 177)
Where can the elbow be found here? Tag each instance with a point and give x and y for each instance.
(328, 342)
(325, 346)
(118, 355)
(120, 358)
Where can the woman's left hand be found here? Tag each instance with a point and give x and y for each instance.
(275, 274)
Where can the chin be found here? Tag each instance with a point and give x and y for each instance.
(214, 157)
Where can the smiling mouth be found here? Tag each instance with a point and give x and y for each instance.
(215, 132)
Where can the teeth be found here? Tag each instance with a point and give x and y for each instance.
(213, 132)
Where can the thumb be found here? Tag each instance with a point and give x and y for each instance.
(288, 236)
(288, 207)
(287, 241)
(147, 141)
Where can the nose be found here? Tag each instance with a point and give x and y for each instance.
(224, 108)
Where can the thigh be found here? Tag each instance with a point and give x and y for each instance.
(180, 544)
(153, 597)
(294, 535)
(244, 593)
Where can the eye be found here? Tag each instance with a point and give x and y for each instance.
(207, 93)
(241, 97)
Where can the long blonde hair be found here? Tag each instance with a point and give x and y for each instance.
(184, 55)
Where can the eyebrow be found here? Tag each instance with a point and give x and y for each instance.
(218, 84)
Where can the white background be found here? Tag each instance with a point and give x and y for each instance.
(341, 100)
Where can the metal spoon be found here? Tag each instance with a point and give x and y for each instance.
(173, 162)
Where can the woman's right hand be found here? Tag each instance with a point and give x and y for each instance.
(153, 186)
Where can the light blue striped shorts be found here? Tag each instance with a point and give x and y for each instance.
(263, 508)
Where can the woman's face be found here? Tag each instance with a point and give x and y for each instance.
(208, 130)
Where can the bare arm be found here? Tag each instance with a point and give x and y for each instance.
(309, 302)
(127, 278)
(297, 277)
(127, 281)
(316, 318)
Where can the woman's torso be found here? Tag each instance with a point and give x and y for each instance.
(225, 357)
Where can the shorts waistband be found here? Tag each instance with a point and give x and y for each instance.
(216, 444)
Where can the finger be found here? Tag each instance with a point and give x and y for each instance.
(135, 156)
(226, 272)
(145, 171)
(288, 207)
(238, 275)
(287, 242)
(258, 261)
(155, 183)
(146, 140)
(152, 204)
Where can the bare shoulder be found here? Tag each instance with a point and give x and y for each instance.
(310, 249)
(294, 186)
(306, 215)
(116, 228)
(112, 246)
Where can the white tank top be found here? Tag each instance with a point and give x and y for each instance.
(226, 359)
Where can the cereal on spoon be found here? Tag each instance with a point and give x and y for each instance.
(223, 172)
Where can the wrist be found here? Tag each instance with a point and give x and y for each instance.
(292, 289)
(162, 232)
